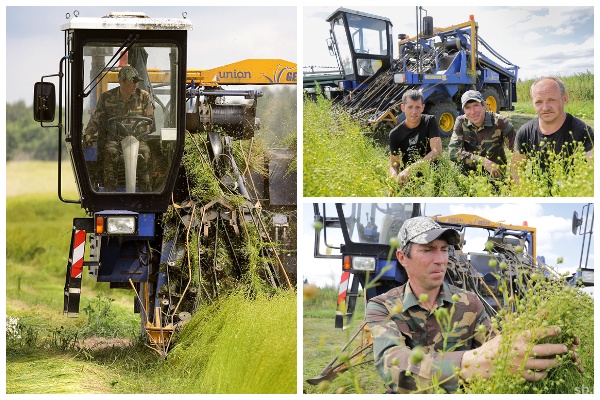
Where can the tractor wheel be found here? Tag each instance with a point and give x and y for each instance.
(491, 98)
(445, 113)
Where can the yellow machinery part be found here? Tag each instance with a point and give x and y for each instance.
(246, 72)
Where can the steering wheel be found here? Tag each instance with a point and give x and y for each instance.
(119, 127)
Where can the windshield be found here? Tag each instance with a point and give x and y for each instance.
(129, 112)
(369, 35)
(344, 54)
(376, 222)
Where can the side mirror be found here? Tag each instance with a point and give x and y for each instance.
(44, 102)
(575, 222)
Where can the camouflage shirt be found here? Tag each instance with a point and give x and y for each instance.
(110, 104)
(399, 324)
(488, 141)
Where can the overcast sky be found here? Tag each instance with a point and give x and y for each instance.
(221, 35)
(540, 40)
(551, 220)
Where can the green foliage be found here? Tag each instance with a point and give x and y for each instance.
(25, 138)
(20, 334)
(65, 338)
(104, 321)
(564, 176)
(320, 303)
(338, 159)
(440, 179)
(548, 301)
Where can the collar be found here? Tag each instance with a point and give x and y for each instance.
(409, 299)
(135, 95)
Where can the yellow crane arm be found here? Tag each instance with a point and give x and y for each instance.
(247, 72)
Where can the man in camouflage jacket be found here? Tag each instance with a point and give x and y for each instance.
(123, 101)
(408, 342)
(479, 136)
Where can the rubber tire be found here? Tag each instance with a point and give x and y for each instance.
(445, 114)
(491, 99)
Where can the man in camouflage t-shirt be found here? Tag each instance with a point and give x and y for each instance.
(126, 100)
(479, 136)
(408, 346)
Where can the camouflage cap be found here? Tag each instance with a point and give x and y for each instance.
(128, 73)
(470, 95)
(423, 230)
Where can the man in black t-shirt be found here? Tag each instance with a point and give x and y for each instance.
(414, 140)
(553, 130)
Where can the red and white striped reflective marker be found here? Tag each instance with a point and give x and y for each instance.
(78, 251)
(343, 288)
(74, 273)
(342, 292)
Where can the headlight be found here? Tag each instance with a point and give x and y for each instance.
(120, 225)
(363, 263)
(587, 276)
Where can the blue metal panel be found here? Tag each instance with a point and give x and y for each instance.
(146, 224)
(391, 273)
(120, 260)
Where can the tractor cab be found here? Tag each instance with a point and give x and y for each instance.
(359, 234)
(361, 42)
(122, 94)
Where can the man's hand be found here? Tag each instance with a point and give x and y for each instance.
(534, 366)
(492, 168)
(403, 176)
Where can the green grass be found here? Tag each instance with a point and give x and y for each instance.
(55, 373)
(244, 345)
(44, 359)
(323, 342)
(19, 174)
(338, 159)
